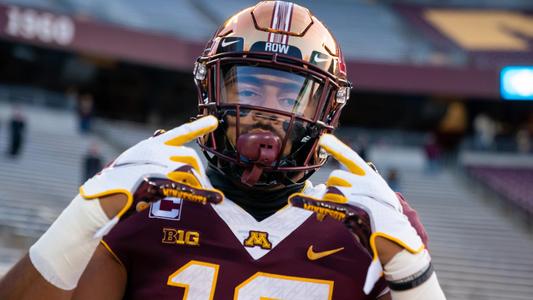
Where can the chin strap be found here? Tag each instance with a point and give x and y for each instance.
(261, 149)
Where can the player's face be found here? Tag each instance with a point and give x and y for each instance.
(271, 89)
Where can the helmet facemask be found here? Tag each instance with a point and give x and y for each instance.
(271, 112)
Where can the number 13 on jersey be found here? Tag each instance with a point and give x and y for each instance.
(200, 279)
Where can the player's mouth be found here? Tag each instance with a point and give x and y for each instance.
(262, 130)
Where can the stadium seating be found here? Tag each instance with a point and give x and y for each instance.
(36, 186)
(478, 251)
(367, 30)
(511, 182)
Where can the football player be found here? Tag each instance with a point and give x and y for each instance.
(155, 224)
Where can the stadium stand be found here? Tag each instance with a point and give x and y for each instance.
(506, 173)
(179, 18)
(368, 30)
(36, 186)
(478, 249)
(512, 183)
(479, 252)
(362, 27)
(122, 135)
(516, 4)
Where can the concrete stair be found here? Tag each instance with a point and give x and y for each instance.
(478, 251)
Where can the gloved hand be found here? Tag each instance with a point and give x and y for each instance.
(361, 199)
(154, 168)
(157, 167)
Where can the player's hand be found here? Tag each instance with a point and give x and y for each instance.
(154, 168)
(361, 199)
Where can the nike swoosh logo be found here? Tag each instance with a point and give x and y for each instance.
(312, 255)
(319, 60)
(225, 44)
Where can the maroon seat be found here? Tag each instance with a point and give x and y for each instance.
(515, 184)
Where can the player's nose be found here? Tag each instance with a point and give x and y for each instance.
(270, 103)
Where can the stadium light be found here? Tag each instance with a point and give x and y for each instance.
(516, 83)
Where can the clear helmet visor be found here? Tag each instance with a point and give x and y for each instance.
(262, 108)
(271, 89)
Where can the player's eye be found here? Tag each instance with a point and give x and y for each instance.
(288, 102)
(248, 93)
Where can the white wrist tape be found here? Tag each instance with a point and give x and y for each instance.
(406, 268)
(405, 264)
(428, 290)
(64, 250)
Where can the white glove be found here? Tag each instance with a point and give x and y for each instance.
(63, 252)
(162, 156)
(360, 197)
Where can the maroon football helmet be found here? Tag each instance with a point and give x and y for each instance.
(275, 77)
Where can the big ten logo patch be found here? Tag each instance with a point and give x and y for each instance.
(168, 208)
(180, 237)
(257, 238)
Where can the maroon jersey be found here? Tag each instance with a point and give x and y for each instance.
(184, 250)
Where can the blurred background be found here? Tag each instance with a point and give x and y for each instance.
(442, 104)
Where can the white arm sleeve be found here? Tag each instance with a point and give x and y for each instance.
(62, 253)
(405, 268)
